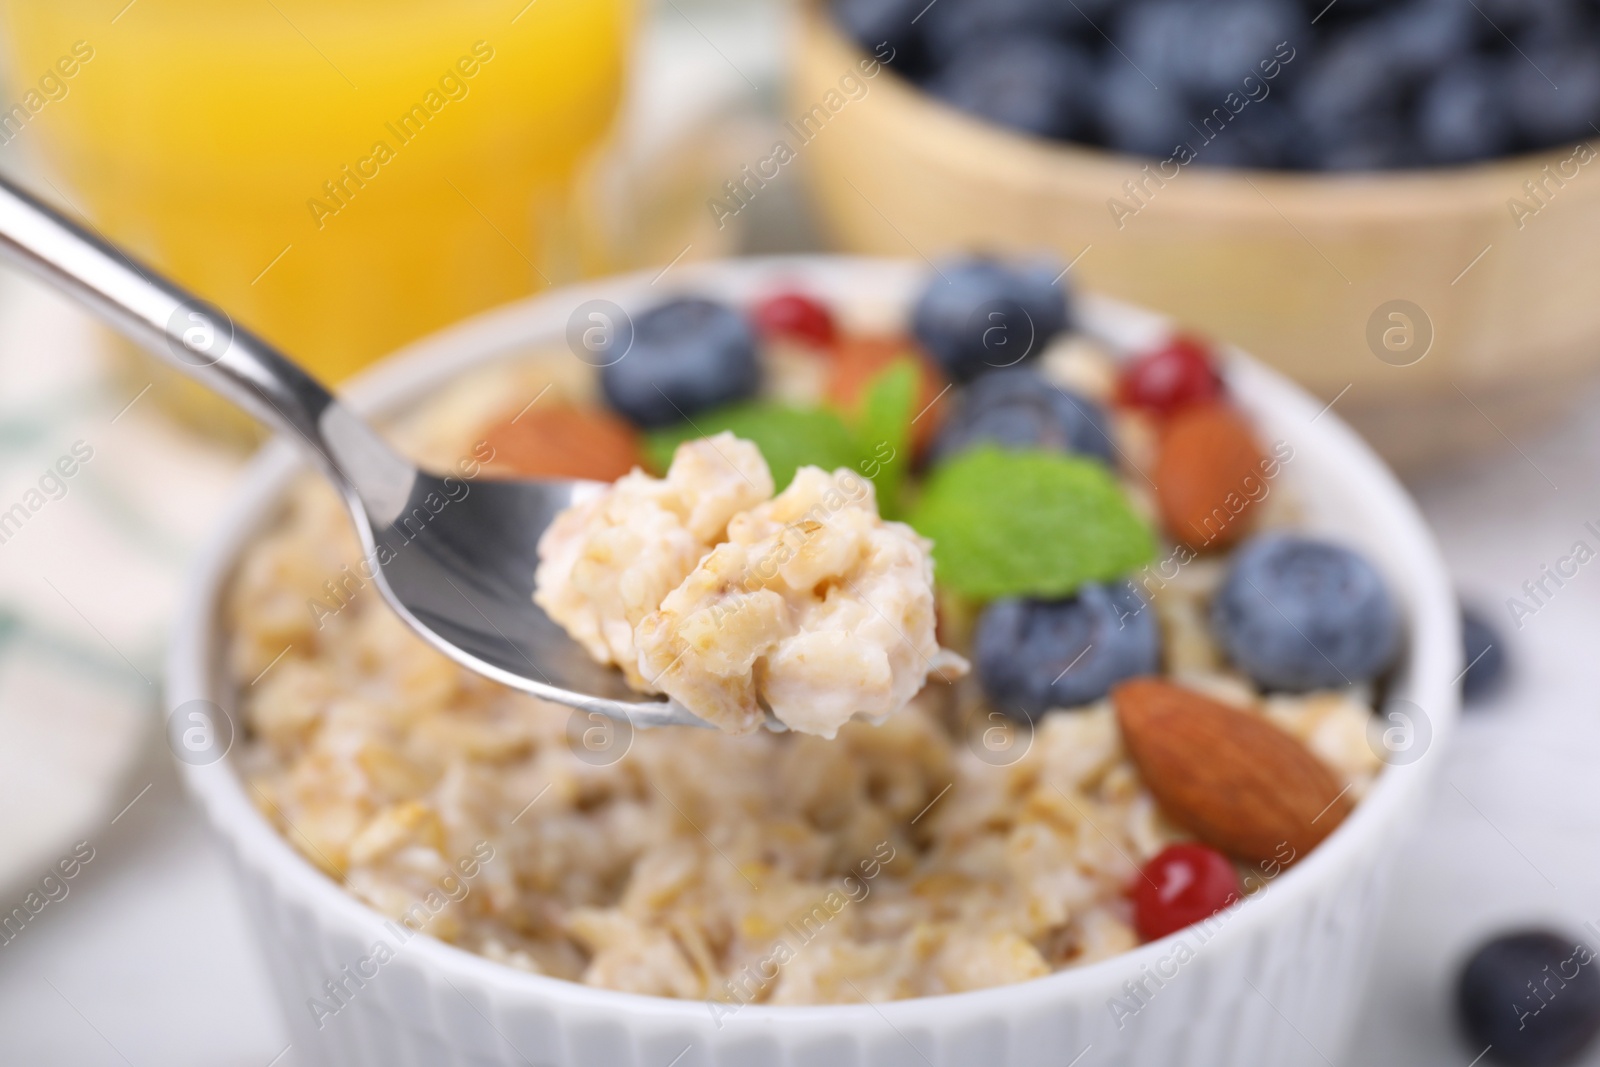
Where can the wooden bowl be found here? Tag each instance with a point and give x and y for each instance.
(1304, 270)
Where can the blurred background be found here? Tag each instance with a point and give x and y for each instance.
(1395, 210)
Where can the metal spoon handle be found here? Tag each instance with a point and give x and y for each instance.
(432, 567)
(203, 342)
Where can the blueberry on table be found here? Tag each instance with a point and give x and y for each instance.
(687, 356)
(1034, 655)
(978, 315)
(1018, 408)
(1298, 614)
(1031, 84)
(1532, 997)
(1485, 656)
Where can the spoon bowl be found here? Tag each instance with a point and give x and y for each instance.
(458, 562)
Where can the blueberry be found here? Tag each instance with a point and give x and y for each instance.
(1523, 19)
(1331, 15)
(1089, 17)
(1352, 99)
(1017, 408)
(1264, 135)
(950, 26)
(979, 314)
(1035, 85)
(1485, 653)
(1384, 143)
(1421, 37)
(1544, 114)
(885, 28)
(686, 356)
(1533, 995)
(1205, 49)
(1562, 23)
(1136, 117)
(1351, 88)
(1034, 655)
(1298, 614)
(1462, 114)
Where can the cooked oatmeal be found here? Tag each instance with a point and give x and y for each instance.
(808, 604)
(607, 563)
(896, 860)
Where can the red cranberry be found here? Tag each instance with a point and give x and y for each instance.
(1174, 376)
(796, 316)
(1180, 886)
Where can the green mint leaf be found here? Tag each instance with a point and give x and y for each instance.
(789, 438)
(883, 424)
(1029, 523)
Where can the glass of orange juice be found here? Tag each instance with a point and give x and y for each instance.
(340, 175)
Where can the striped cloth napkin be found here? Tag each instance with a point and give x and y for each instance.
(103, 501)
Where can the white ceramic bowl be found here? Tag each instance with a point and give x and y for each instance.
(1277, 984)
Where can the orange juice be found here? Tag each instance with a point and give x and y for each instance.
(341, 175)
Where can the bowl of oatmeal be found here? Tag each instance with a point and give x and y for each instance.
(1112, 667)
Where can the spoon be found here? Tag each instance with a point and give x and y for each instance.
(454, 558)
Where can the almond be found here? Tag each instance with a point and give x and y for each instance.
(1208, 476)
(1233, 779)
(559, 441)
(858, 360)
